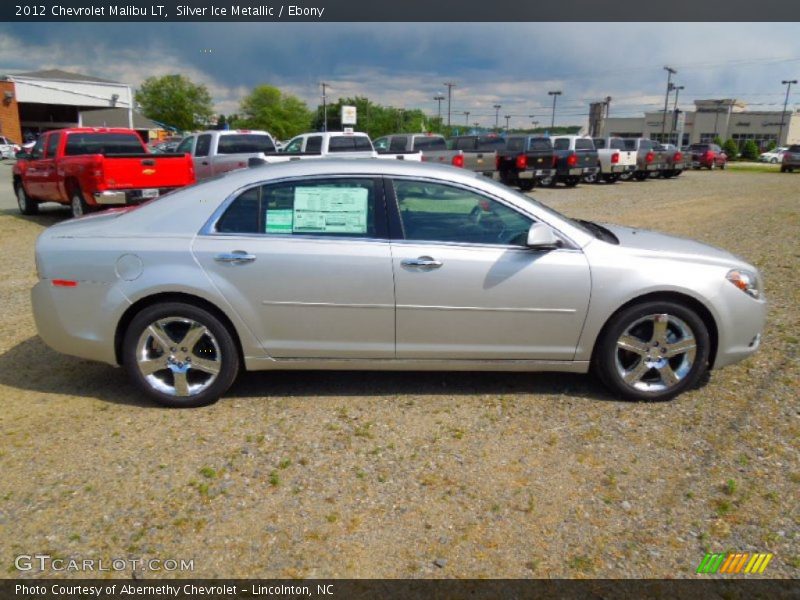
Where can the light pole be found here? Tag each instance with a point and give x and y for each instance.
(508, 118)
(497, 108)
(788, 83)
(677, 89)
(716, 117)
(324, 106)
(535, 123)
(670, 72)
(439, 98)
(400, 115)
(555, 95)
(466, 118)
(450, 87)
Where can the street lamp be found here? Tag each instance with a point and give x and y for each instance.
(497, 108)
(677, 89)
(450, 87)
(788, 83)
(555, 95)
(508, 118)
(466, 118)
(535, 123)
(324, 106)
(439, 98)
(716, 116)
(670, 72)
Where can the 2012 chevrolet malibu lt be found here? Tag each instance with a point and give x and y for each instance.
(366, 264)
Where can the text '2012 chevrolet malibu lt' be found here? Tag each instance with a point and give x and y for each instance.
(365, 264)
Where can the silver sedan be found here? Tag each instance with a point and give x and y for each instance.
(363, 264)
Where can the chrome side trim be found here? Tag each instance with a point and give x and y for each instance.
(482, 309)
(324, 304)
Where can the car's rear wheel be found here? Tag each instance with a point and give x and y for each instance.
(611, 178)
(652, 351)
(26, 204)
(640, 175)
(78, 204)
(712, 166)
(180, 355)
(572, 181)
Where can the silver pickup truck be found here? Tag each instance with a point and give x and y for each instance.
(432, 147)
(479, 151)
(217, 152)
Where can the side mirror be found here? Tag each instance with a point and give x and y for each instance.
(541, 237)
(22, 155)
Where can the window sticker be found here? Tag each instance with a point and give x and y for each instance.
(330, 210)
(279, 221)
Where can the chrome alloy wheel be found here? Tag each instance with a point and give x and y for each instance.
(655, 353)
(22, 200)
(178, 356)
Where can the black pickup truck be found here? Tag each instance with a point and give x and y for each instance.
(525, 160)
(576, 158)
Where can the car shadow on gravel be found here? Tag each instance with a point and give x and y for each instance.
(49, 214)
(33, 367)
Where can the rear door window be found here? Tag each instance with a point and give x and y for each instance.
(398, 143)
(203, 145)
(314, 144)
(185, 147)
(52, 145)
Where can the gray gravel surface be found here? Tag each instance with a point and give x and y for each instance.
(306, 474)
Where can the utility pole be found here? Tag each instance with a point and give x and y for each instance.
(555, 95)
(716, 116)
(670, 72)
(324, 106)
(788, 83)
(508, 118)
(677, 89)
(497, 108)
(439, 98)
(450, 87)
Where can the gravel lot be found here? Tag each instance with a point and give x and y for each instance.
(331, 474)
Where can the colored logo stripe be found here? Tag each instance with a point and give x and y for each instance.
(734, 563)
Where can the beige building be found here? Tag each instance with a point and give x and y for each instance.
(727, 118)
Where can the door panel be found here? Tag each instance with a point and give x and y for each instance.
(489, 303)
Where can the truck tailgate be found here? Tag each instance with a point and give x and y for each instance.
(146, 171)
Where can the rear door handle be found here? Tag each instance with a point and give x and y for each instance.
(236, 257)
(425, 263)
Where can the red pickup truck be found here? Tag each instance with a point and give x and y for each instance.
(94, 168)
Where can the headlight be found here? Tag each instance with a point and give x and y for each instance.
(745, 281)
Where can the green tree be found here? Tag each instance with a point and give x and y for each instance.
(717, 140)
(772, 145)
(750, 150)
(376, 120)
(731, 148)
(176, 101)
(266, 107)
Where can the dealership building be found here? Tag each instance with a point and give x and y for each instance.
(727, 119)
(31, 103)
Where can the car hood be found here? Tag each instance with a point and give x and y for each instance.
(653, 243)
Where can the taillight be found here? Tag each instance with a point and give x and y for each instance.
(615, 158)
(572, 160)
(678, 157)
(497, 162)
(458, 160)
(708, 156)
(650, 157)
(555, 161)
(522, 161)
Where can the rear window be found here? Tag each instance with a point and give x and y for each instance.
(103, 143)
(584, 144)
(795, 148)
(540, 144)
(599, 143)
(349, 143)
(630, 144)
(561, 144)
(617, 144)
(491, 143)
(699, 147)
(515, 144)
(244, 143)
(430, 143)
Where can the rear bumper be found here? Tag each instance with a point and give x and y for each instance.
(535, 174)
(137, 196)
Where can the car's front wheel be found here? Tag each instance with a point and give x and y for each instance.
(652, 351)
(180, 355)
(26, 204)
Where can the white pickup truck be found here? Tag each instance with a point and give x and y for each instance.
(615, 161)
(217, 152)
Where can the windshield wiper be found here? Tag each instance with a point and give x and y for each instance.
(599, 231)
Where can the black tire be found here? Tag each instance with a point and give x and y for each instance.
(611, 178)
(572, 181)
(677, 172)
(640, 175)
(592, 178)
(784, 169)
(549, 181)
(639, 322)
(712, 166)
(526, 185)
(626, 176)
(215, 347)
(27, 205)
(78, 205)
(723, 165)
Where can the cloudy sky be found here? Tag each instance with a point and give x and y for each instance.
(405, 65)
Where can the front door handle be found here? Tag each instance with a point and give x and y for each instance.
(236, 257)
(425, 263)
